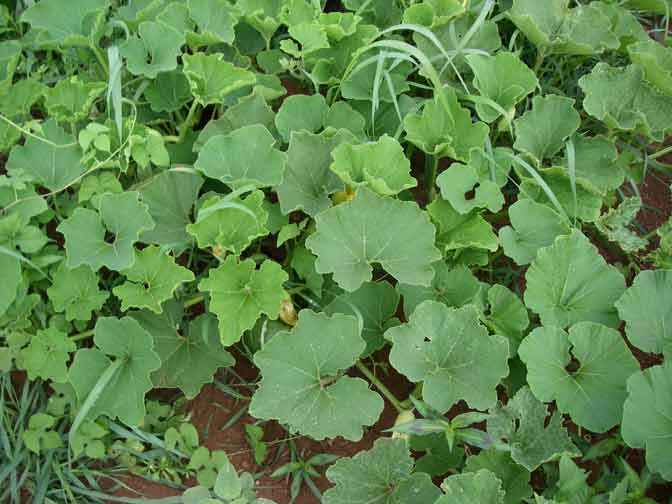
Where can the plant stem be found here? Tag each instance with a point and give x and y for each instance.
(194, 300)
(661, 153)
(82, 335)
(100, 58)
(380, 386)
(541, 54)
(431, 167)
(184, 127)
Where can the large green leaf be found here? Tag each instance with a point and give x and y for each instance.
(543, 130)
(151, 280)
(155, 49)
(301, 113)
(370, 476)
(453, 287)
(558, 29)
(70, 100)
(168, 92)
(106, 237)
(308, 181)
(656, 62)
(375, 303)
(374, 229)
(531, 438)
(302, 385)
(54, 162)
(240, 294)
(647, 416)
(515, 478)
(212, 78)
(502, 78)
(592, 395)
(533, 226)
(646, 308)
(571, 282)
(230, 224)
(124, 355)
(505, 314)
(623, 100)
(76, 292)
(466, 488)
(596, 163)
(244, 156)
(461, 231)
(462, 179)
(215, 19)
(66, 22)
(445, 129)
(440, 346)
(170, 196)
(190, 351)
(47, 354)
(381, 166)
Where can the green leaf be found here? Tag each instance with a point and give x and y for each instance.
(453, 287)
(170, 196)
(250, 158)
(105, 237)
(440, 347)
(480, 486)
(456, 231)
(374, 229)
(19, 98)
(10, 279)
(462, 179)
(621, 99)
(308, 181)
(506, 315)
(342, 116)
(587, 204)
(122, 343)
(438, 456)
(375, 304)
(249, 110)
(155, 49)
(418, 487)
(168, 92)
(533, 226)
(47, 354)
(502, 78)
(227, 485)
(54, 163)
(151, 280)
(95, 185)
(592, 395)
(572, 486)
(302, 384)
(303, 262)
(571, 282)
(531, 439)
(88, 440)
(230, 224)
(301, 113)
(190, 352)
(656, 62)
(70, 100)
(617, 222)
(216, 20)
(360, 85)
(10, 52)
(212, 78)
(647, 416)
(596, 163)
(584, 29)
(515, 479)
(543, 130)
(444, 129)
(76, 292)
(646, 308)
(381, 166)
(39, 436)
(370, 476)
(240, 294)
(67, 23)
(207, 464)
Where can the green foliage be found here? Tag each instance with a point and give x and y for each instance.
(433, 204)
(301, 383)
